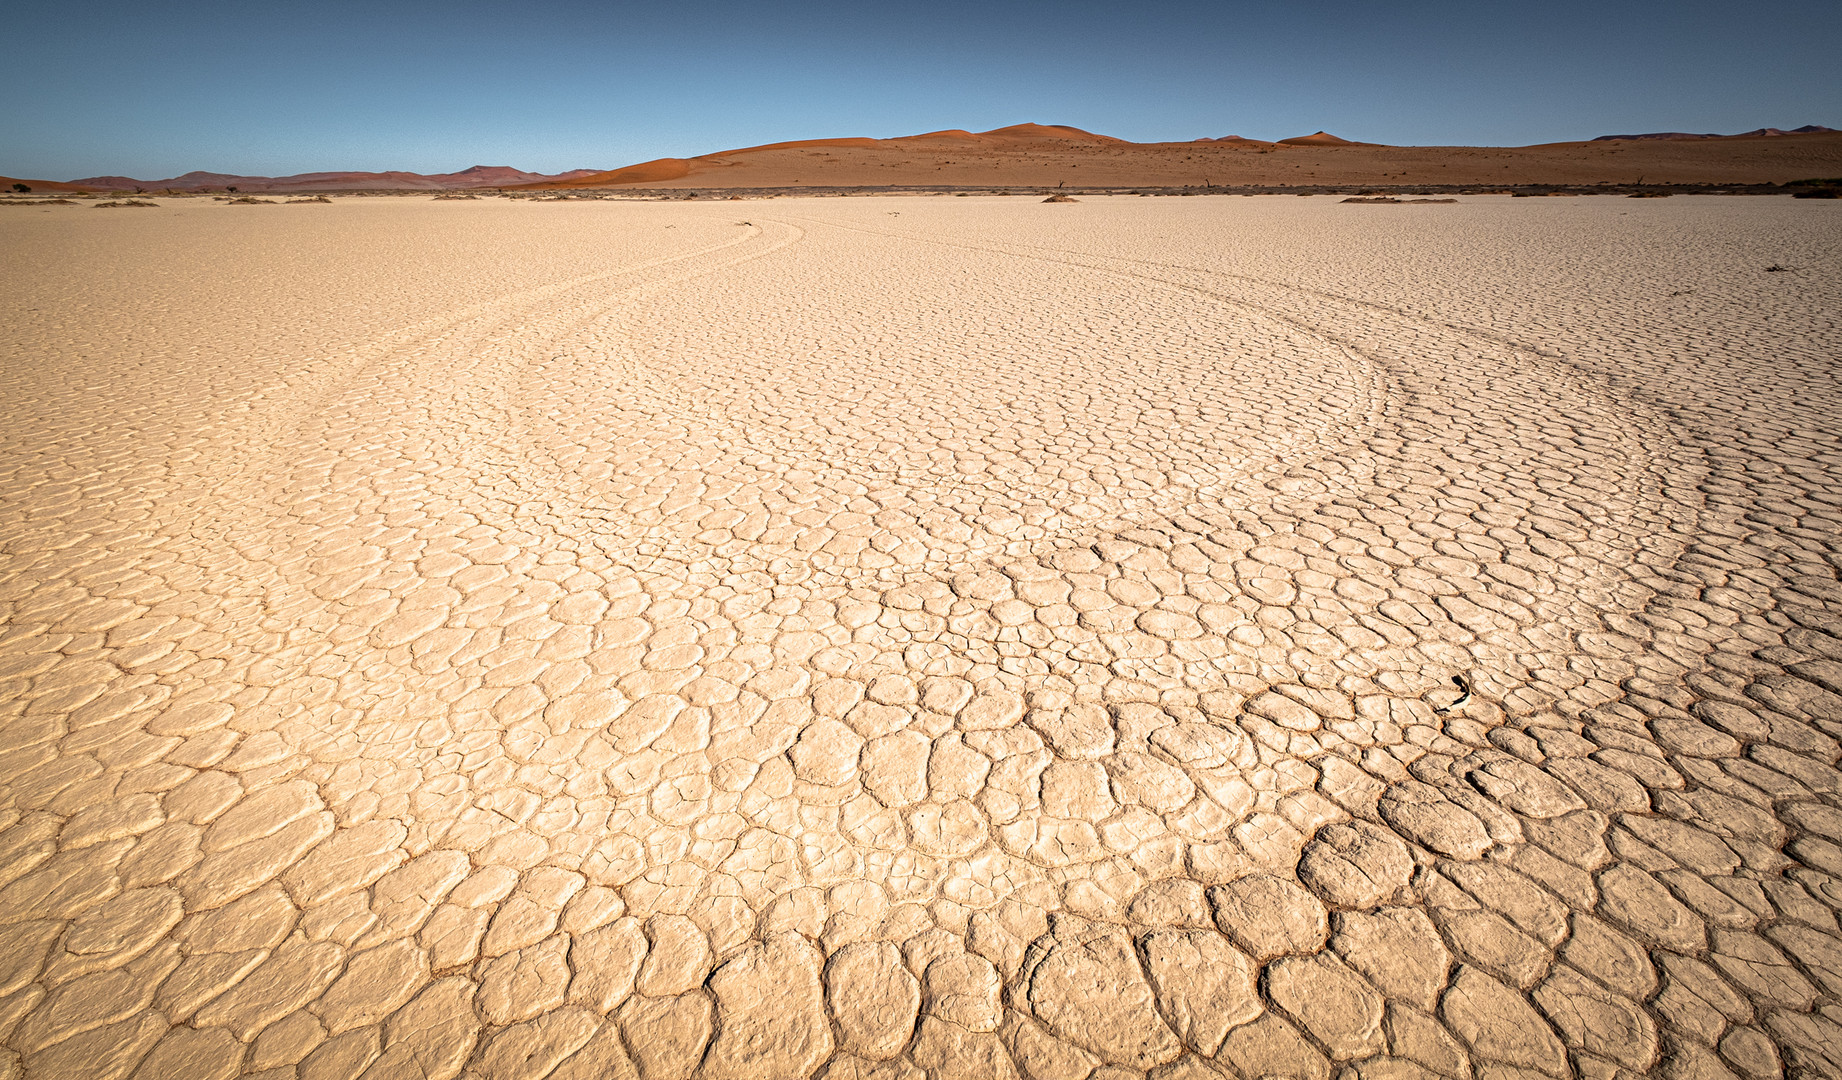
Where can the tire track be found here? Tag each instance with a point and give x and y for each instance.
(424, 420)
(1619, 523)
(843, 445)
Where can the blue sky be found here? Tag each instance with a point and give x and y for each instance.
(151, 90)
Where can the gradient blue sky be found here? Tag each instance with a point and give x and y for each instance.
(153, 90)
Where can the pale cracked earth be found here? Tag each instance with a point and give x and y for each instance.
(895, 637)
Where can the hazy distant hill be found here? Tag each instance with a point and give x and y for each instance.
(479, 176)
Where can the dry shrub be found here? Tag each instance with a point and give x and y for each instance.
(125, 202)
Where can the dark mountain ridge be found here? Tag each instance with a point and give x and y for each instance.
(1807, 129)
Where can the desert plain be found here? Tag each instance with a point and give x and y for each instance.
(921, 637)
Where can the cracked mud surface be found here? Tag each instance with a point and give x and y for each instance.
(922, 637)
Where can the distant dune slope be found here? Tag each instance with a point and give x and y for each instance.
(7, 182)
(1040, 155)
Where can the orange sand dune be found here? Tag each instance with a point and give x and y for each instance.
(656, 171)
(1043, 155)
(949, 133)
(798, 143)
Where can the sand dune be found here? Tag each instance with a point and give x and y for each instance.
(1185, 638)
(1321, 138)
(1033, 155)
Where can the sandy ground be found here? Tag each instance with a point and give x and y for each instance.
(1039, 159)
(961, 637)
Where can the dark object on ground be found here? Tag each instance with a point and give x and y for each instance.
(1059, 198)
(1375, 199)
(1819, 193)
(23, 189)
(1464, 687)
(1648, 195)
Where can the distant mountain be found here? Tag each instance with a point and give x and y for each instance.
(1807, 129)
(479, 176)
(1321, 138)
(1060, 156)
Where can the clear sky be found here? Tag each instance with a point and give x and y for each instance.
(154, 90)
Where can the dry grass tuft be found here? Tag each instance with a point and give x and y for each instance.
(125, 202)
(310, 199)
